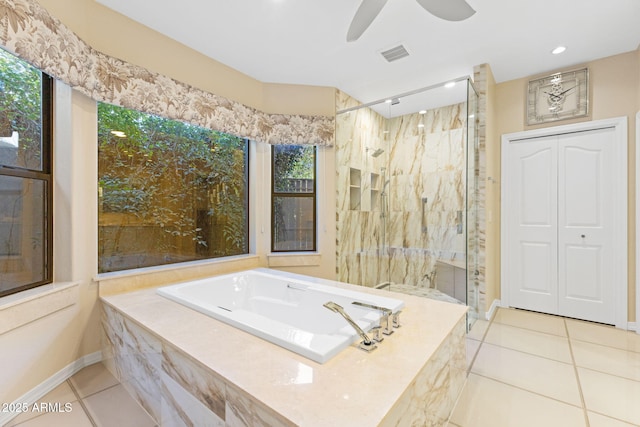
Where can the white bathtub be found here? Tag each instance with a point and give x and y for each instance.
(286, 311)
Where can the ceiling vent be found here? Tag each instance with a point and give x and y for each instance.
(395, 53)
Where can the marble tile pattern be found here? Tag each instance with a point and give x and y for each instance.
(480, 80)
(186, 368)
(134, 357)
(436, 387)
(387, 235)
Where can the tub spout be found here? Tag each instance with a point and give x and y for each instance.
(384, 318)
(366, 343)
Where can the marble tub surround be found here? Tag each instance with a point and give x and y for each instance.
(184, 366)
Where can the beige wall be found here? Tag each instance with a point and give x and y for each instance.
(614, 92)
(638, 88)
(118, 36)
(39, 347)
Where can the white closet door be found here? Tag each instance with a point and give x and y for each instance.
(532, 270)
(585, 225)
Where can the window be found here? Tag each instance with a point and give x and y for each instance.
(168, 191)
(25, 176)
(293, 207)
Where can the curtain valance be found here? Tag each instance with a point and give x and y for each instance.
(30, 32)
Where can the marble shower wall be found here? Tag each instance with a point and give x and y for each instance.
(426, 171)
(359, 227)
(480, 78)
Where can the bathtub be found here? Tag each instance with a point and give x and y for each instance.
(283, 309)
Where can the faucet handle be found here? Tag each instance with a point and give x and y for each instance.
(386, 323)
(376, 335)
(396, 319)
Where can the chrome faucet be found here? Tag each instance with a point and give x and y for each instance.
(367, 344)
(384, 318)
(396, 319)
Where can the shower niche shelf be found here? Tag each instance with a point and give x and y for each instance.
(375, 192)
(355, 189)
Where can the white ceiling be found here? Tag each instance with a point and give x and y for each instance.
(304, 41)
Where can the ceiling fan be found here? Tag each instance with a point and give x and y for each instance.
(450, 10)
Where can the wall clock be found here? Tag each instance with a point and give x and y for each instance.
(559, 96)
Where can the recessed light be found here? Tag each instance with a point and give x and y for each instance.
(558, 50)
(450, 85)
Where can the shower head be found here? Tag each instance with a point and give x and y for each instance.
(376, 152)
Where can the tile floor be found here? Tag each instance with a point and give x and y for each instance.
(526, 369)
(530, 369)
(97, 399)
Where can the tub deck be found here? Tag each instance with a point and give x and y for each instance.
(289, 313)
(181, 364)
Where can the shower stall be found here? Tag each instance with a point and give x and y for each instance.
(407, 185)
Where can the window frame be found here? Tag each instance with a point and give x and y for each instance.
(246, 199)
(45, 175)
(277, 194)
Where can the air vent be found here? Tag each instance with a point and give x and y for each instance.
(395, 53)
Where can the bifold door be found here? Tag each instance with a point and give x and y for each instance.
(560, 245)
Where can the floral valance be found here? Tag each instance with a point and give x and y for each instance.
(30, 32)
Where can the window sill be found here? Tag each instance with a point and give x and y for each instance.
(136, 272)
(294, 259)
(135, 279)
(25, 307)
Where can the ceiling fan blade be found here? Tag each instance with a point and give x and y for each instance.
(364, 16)
(450, 10)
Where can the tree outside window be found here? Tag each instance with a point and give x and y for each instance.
(25, 176)
(169, 191)
(293, 208)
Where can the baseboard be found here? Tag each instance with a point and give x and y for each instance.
(33, 395)
(492, 310)
(633, 326)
